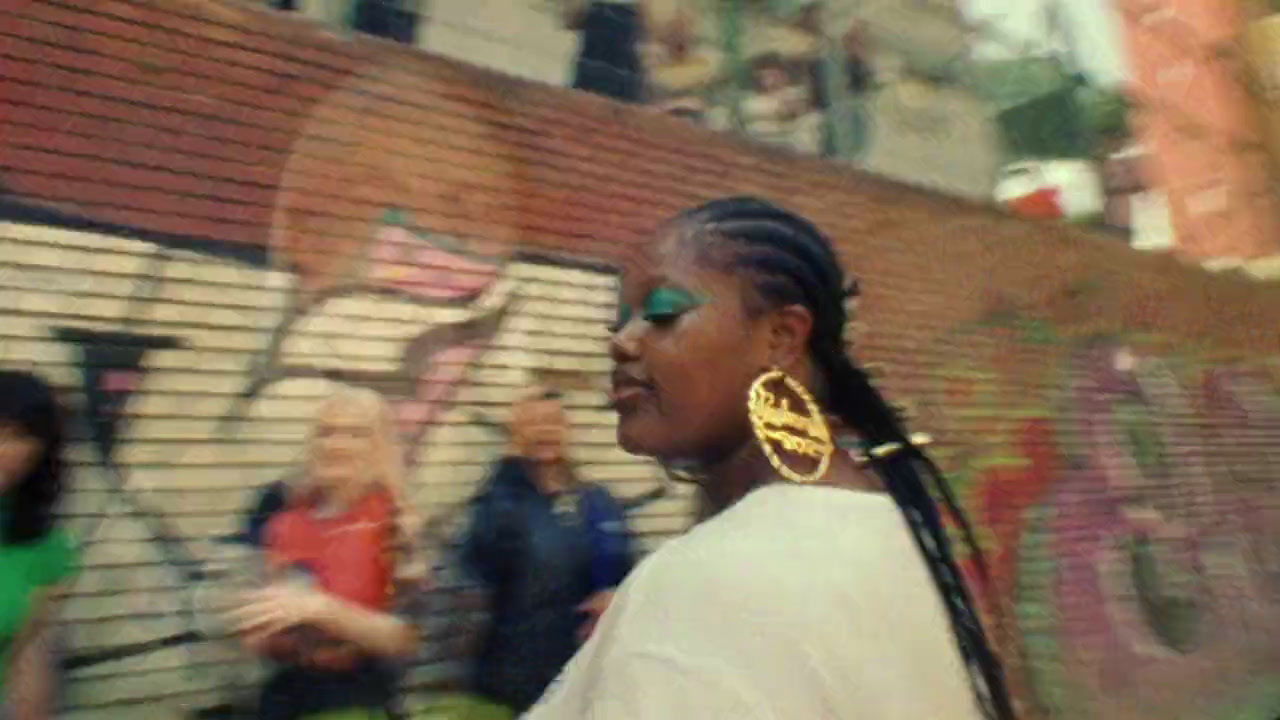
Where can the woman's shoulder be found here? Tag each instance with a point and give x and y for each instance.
(801, 512)
(508, 474)
(60, 542)
(54, 556)
(288, 528)
(780, 531)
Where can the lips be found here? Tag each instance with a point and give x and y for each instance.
(624, 398)
(627, 390)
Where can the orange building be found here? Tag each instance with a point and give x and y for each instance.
(1262, 42)
(1200, 126)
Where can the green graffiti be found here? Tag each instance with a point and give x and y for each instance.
(1175, 619)
(1133, 419)
(1035, 608)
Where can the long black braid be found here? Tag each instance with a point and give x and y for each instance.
(791, 262)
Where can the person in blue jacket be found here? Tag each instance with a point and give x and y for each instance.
(549, 550)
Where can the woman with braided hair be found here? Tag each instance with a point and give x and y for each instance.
(816, 586)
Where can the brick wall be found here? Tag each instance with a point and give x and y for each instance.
(210, 212)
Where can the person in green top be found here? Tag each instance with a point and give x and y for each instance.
(36, 556)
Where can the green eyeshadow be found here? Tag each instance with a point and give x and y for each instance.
(669, 302)
(662, 304)
(624, 316)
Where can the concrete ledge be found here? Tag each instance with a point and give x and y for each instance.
(1267, 268)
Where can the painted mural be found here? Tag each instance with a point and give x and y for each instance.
(1121, 484)
(1089, 111)
(878, 83)
(1127, 508)
(1122, 487)
(193, 373)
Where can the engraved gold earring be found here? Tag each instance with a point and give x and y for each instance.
(780, 429)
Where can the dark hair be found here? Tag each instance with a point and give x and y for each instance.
(29, 402)
(791, 262)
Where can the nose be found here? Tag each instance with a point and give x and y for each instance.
(624, 344)
(335, 442)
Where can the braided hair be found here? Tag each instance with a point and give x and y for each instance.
(790, 262)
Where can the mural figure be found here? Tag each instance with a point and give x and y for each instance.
(827, 78)
(779, 110)
(1070, 111)
(684, 60)
(401, 264)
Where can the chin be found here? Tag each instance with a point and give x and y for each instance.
(638, 436)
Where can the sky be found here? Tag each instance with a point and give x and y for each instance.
(1093, 24)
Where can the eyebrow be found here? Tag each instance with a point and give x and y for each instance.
(664, 281)
(650, 281)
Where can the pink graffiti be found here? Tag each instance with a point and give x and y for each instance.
(1245, 414)
(120, 381)
(1133, 539)
(1106, 503)
(417, 414)
(417, 263)
(401, 258)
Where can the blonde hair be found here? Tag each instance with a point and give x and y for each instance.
(371, 410)
(387, 466)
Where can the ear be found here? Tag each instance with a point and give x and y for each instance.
(788, 337)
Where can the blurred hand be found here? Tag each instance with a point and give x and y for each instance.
(262, 614)
(594, 608)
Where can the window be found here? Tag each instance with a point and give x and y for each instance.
(391, 19)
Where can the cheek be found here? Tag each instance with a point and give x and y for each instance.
(700, 406)
(698, 395)
(16, 459)
(705, 371)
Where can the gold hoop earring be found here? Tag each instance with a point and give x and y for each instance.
(775, 423)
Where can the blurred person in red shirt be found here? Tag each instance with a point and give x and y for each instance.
(340, 611)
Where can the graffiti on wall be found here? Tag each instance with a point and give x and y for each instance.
(195, 371)
(1125, 498)
(1122, 488)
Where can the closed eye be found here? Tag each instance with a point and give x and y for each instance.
(662, 319)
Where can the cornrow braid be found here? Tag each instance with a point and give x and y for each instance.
(790, 262)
